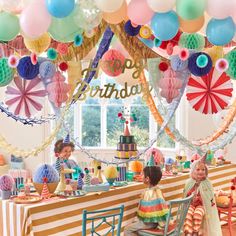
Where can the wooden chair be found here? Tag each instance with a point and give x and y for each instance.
(172, 229)
(226, 213)
(108, 217)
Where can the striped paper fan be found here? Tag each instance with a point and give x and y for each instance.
(210, 93)
(25, 97)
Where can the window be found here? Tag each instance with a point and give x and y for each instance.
(96, 124)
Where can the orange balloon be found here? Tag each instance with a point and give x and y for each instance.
(191, 26)
(116, 17)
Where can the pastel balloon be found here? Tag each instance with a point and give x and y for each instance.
(117, 16)
(190, 10)
(31, 25)
(220, 32)
(220, 9)
(165, 25)
(109, 5)
(191, 26)
(10, 5)
(60, 9)
(139, 12)
(9, 26)
(160, 5)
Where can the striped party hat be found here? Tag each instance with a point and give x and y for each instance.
(67, 139)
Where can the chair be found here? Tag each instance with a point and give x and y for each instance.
(174, 229)
(108, 217)
(228, 211)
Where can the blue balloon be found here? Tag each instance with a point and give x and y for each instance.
(147, 42)
(60, 8)
(220, 32)
(165, 25)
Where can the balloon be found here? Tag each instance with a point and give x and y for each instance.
(87, 16)
(136, 7)
(64, 30)
(33, 26)
(160, 5)
(109, 5)
(116, 17)
(191, 26)
(9, 26)
(220, 9)
(9, 5)
(220, 32)
(60, 9)
(165, 25)
(190, 10)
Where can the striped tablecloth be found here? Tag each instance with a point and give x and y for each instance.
(64, 217)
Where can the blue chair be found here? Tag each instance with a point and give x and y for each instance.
(175, 229)
(108, 217)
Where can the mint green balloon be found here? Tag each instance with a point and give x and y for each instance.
(64, 29)
(9, 26)
(190, 9)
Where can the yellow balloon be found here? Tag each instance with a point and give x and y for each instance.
(38, 45)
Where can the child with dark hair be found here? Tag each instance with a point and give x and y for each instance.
(152, 209)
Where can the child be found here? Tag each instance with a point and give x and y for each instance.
(152, 210)
(202, 211)
(63, 150)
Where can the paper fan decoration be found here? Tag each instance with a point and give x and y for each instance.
(25, 97)
(210, 93)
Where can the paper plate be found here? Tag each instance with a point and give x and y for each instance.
(26, 199)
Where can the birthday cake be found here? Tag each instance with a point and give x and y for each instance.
(127, 147)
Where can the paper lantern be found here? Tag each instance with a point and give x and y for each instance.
(136, 166)
(231, 58)
(38, 45)
(170, 85)
(130, 29)
(47, 171)
(58, 89)
(6, 183)
(110, 172)
(26, 69)
(47, 69)
(6, 73)
(211, 93)
(25, 97)
(177, 64)
(192, 41)
(112, 62)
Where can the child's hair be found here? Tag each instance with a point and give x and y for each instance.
(59, 145)
(154, 173)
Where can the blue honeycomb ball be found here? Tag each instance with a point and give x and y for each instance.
(47, 69)
(47, 171)
(6, 73)
(130, 29)
(202, 67)
(26, 69)
(177, 64)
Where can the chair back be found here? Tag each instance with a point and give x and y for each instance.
(183, 206)
(112, 218)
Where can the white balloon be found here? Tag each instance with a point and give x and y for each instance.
(109, 5)
(220, 9)
(160, 5)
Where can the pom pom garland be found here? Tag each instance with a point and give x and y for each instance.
(63, 66)
(221, 65)
(232, 187)
(145, 32)
(78, 40)
(163, 66)
(130, 29)
(170, 48)
(183, 54)
(26, 69)
(33, 58)
(13, 61)
(62, 48)
(157, 42)
(52, 54)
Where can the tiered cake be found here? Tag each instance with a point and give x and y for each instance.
(127, 147)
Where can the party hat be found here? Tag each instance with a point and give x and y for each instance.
(126, 133)
(151, 161)
(67, 139)
(45, 192)
(204, 158)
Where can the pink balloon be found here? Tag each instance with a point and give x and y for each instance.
(139, 12)
(35, 19)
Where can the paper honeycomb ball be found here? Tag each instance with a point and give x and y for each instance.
(38, 45)
(231, 58)
(6, 73)
(110, 172)
(6, 182)
(177, 64)
(26, 69)
(47, 171)
(47, 69)
(113, 62)
(136, 166)
(192, 41)
(130, 29)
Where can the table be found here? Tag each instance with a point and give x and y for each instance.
(64, 216)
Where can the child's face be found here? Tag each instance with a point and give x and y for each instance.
(145, 179)
(65, 152)
(200, 172)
